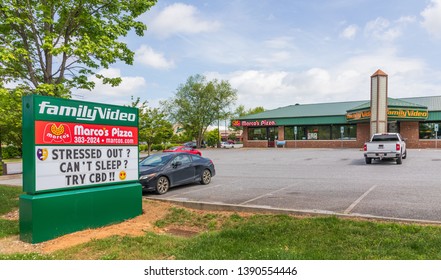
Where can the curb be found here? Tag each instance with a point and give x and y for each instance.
(306, 213)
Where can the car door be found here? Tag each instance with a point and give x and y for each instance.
(183, 170)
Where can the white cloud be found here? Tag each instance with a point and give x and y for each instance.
(349, 32)
(280, 42)
(181, 18)
(384, 30)
(120, 95)
(347, 81)
(381, 29)
(147, 56)
(432, 18)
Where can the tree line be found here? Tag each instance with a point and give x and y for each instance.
(53, 47)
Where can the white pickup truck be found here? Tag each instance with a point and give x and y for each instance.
(385, 145)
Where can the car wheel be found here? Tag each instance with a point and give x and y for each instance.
(368, 160)
(206, 177)
(400, 159)
(162, 185)
(405, 155)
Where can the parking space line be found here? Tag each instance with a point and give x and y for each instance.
(196, 190)
(352, 206)
(263, 195)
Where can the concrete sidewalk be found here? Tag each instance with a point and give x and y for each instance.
(11, 180)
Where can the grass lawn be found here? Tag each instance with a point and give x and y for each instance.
(8, 202)
(279, 237)
(12, 160)
(231, 236)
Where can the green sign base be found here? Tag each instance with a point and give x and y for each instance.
(47, 216)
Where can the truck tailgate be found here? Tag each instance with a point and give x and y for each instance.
(381, 147)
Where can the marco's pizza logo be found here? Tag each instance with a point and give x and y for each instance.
(235, 123)
(57, 134)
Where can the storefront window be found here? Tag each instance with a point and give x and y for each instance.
(318, 132)
(349, 132)
(257, 133)
(291, 135)
(427, 131)
(322, 132)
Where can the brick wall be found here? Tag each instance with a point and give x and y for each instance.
(409, 130)
(253, 143)
(363, 133)
(281, 133)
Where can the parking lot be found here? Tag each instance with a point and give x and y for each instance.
(320, 181)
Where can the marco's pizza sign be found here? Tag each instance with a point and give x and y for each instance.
(75, 144)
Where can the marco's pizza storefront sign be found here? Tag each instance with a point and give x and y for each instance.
(80, 166)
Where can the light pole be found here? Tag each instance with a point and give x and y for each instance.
(218, 132)
(218, 145)
(226, 133)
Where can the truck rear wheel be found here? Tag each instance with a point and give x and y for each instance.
(400, 159)
(368, 160)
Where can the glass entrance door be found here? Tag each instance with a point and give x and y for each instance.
(272, 135)
(393, 127)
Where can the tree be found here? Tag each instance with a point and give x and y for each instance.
(241, 111)
(212, 137)
(52, 46)
(153, 126)
(199, 103)
(10, 117)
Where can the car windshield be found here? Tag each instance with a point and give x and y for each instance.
(156, 160)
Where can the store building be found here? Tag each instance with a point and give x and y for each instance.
(346, 124)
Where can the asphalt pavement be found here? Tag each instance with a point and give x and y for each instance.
(11, 180)
(316, 182)
(319, 181)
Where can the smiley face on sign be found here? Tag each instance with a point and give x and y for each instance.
(122, 175)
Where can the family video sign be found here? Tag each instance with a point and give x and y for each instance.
(79, 144)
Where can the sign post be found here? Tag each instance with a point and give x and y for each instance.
(342, 131)
(295, 136)
(80, 166)
(436, 135)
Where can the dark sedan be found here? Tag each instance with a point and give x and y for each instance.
(160, 172)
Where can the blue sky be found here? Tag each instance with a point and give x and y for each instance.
(278, 53)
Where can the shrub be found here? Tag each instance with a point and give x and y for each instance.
(11, 152)
(142, 148)
(168, 146)
(157, 147)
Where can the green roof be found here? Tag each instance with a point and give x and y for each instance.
(391, 102)
(400, 103)
(306, 110)
(433, 103)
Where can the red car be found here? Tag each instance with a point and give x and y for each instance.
(184, 149)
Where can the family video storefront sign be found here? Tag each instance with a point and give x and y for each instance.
(394, 113)
(80, 166)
